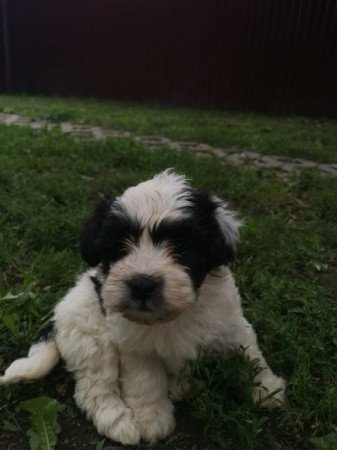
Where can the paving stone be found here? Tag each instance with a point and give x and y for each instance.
(155, 141)
(230, 150)
(269, 165)
(151, 144)
(328, 169)
(112, 133)
(3, 117)
(38, 125)
(236, 158)
(98, 133)
(20, 124)
(269, 158)
(269, 162)
(190, 143)
(203, 148)
(174, 146)
(281, 158)
(164, 141)
(12, 119)
(207, 152)
(23, 121)
(288, 167)
(252, 155)
(220, 152)
(82, 127)
(305, 164)
(82, 134)
(168, 141)
(150, 139)
(66, 127)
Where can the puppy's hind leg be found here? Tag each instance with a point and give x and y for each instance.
(145, 388)
(271, 393)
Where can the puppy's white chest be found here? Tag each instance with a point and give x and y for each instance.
(167, 341)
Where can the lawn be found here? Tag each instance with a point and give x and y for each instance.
(301, 137)
(286, 268)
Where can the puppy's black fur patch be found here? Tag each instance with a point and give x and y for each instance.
(104, 235)
(203, 212)
(198, 242)
(46, 334)
(91, 231)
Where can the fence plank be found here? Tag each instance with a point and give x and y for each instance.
(263, 55)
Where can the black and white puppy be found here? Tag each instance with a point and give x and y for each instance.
(159, 292)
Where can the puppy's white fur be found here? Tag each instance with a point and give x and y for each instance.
(123, 366)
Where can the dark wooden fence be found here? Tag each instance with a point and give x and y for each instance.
(264, 55)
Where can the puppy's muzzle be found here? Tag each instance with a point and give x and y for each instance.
(143, 289)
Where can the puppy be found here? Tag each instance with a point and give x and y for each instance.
(159, 293)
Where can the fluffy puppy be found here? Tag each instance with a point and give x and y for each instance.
(159, 292)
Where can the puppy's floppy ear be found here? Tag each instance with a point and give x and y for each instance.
(91, 231)
(228, 232)
(220, 225)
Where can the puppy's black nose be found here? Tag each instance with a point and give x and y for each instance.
(143, 286)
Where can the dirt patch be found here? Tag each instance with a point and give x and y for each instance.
(79, 433)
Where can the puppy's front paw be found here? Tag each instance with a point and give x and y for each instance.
(271, 393)
(123, 429)
(156, 421)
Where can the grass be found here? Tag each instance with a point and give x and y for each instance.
(300, 137)
(286, 270)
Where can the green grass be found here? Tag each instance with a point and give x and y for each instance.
(285, 269)
(301, 137)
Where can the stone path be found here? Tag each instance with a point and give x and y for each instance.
(284, 166)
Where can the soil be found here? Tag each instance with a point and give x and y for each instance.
(76, 431)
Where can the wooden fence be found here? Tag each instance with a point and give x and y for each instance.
(263, 55)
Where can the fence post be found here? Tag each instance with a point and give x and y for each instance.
(5, 28)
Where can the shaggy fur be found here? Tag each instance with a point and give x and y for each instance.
(158, 293)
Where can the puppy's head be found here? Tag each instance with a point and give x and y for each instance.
(155, 244)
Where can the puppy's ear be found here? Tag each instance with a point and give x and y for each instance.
(220, 224)
(92, 229)
(228, 232)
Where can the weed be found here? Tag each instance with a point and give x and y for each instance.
(43, 418)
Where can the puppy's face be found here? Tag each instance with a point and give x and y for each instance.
(154, 246)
